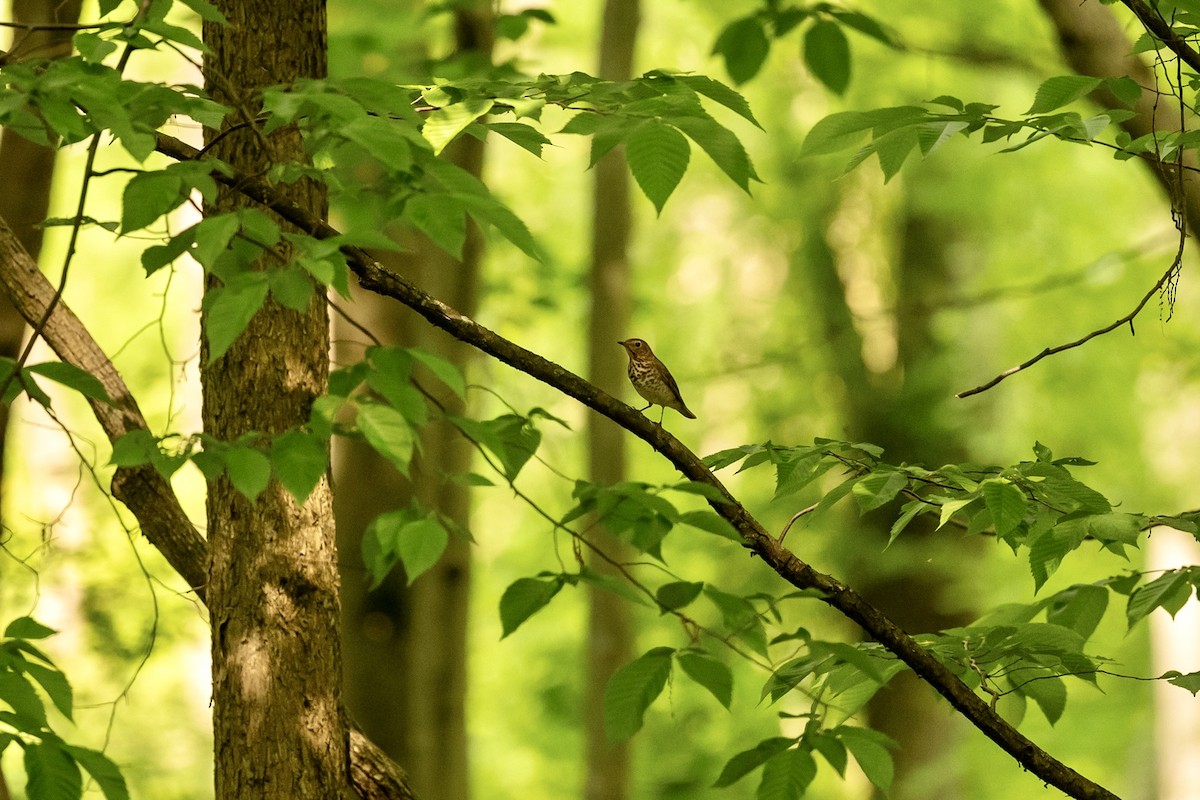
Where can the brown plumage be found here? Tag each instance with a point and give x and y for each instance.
(652, 380)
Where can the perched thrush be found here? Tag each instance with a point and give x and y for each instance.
(652, 380)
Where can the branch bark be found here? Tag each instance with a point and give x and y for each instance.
(791, 568)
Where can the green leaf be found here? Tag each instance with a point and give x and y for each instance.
(1050, 694)
(878, 488)
(229, 309)
(722, 146)
(212, 236)
(443, 370)
(52, 773)
(827, 54)
(870, 749)
(748, 760)
(786, 775)
(836, 132)
(710, 522)
(148, 196)
(27, 628)
(524, 598)
(1005, 502)
(442, 218)
(525, 136)
(511, 438)
(1079, 607)
(300, 460)
(388, 432)
(489, 210)
(867, 25)
(1059, 91)
(678, 594)
(658, 156)
(103, 771)
(291, 287)
(249, 470)
(134, 449)
(719, 92)
(57, 688)
(744, 46)
(18, 694)
(444, 124)
(420, 544)
(1191, 681)
(631, 690)
(1169, 590)
(709, 673)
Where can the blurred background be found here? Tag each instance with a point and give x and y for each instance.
(823, 304)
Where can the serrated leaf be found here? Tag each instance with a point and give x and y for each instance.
(827, 54)
(1079, 607)
(1005, 502)
(444, 124)
(1060, 90)
(709, 673)
(748, 760)
(744, 46)
(522, 135)
(786, 775)
(878, 488)
(720, 93)
(836, 132)
(249, 470)
(229, 309)
(1161, 591)
(52, 773)
(388, 432)
(134, 449)
(18, 694)
(56, 686)
(658, 156)
(27, 628)
(870, 750)
(103, 771)
(631, 690)
(524, 598)
(511, 438)
(722, 146)
(441, 217)
(299, 460)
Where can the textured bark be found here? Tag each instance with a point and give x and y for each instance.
(272, 591)
(161, 519)
(406, 651)
(610, 635)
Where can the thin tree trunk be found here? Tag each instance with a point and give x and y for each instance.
(27, 168)
(610, 630)
(406, 647)
(278, 727)
(895, 406)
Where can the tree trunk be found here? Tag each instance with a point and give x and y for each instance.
(894, 405)
(406, 647)
(27, 168)
(610, 630)
(273, 584)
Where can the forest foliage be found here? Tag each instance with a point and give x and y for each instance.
(1039, 508)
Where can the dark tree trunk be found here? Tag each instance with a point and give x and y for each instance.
(273, 583)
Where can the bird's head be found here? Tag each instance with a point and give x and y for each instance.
(637, 348)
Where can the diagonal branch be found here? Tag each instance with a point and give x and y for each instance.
(376, 278)
(146, 493)
(1161, 29)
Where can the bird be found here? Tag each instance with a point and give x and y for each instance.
(652, 380)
